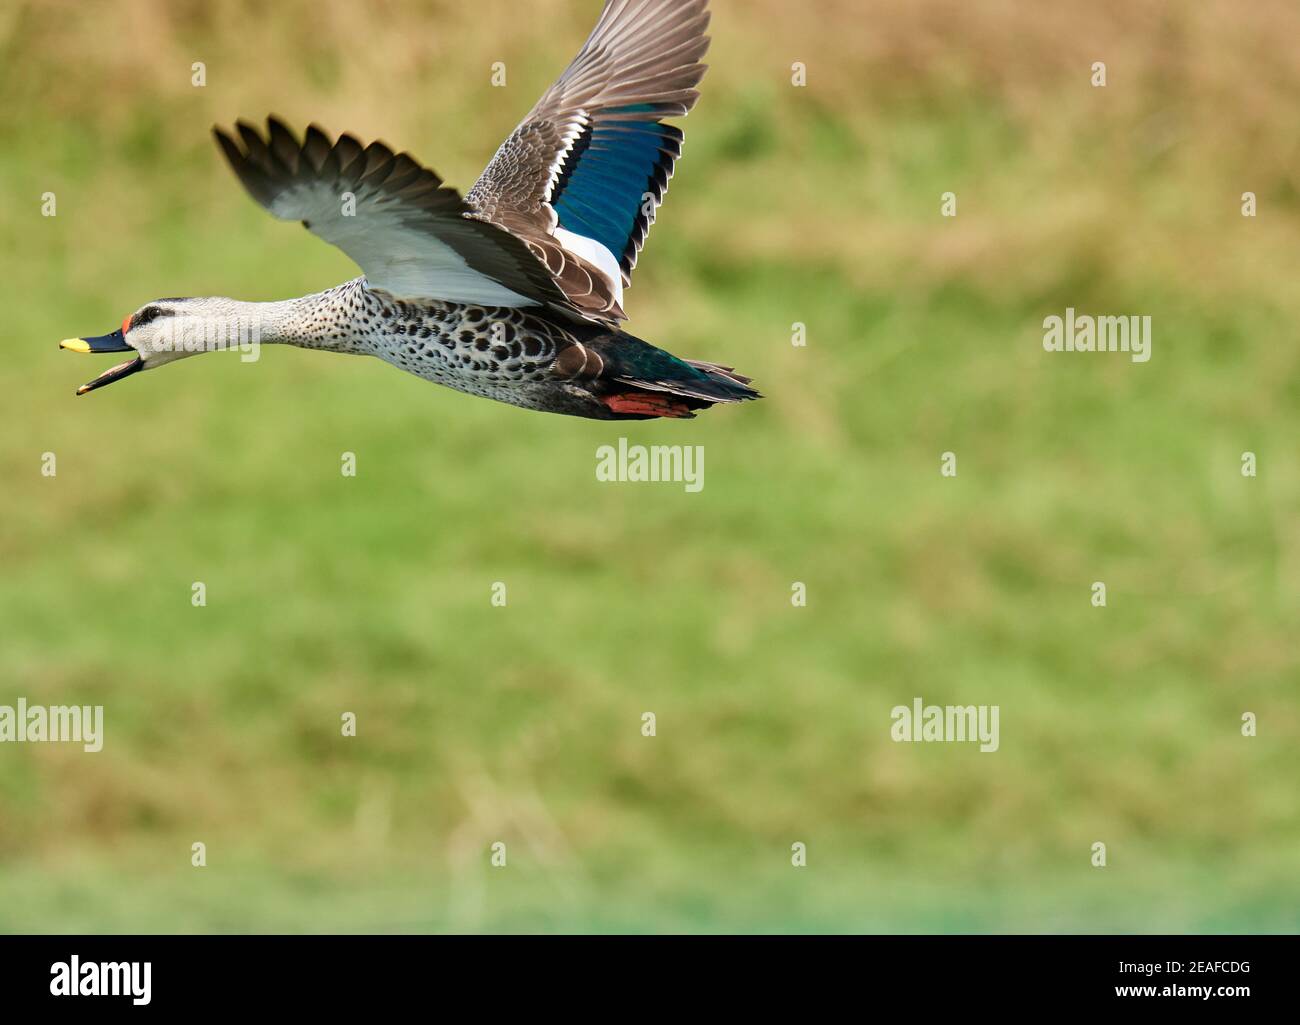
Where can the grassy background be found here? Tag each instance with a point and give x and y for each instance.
(521, 724)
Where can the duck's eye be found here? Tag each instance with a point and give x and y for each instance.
(146, 316)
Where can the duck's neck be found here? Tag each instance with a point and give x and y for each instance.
(322, 320)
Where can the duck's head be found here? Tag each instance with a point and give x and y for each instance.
(158, 332)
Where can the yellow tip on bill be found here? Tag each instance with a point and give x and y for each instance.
(75, 344)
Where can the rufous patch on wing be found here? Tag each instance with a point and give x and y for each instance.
(643, 404)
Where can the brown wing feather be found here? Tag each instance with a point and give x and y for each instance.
(406, 227)
(643, 54)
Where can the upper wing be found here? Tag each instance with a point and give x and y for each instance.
(586, 170)
(409, 234)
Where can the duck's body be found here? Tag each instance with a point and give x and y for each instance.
(513, 292)
(518, 355)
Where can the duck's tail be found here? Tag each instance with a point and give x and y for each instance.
(640, 381)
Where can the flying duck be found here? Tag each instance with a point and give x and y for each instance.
(513, 291)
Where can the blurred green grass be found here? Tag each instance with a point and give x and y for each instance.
(521, 724)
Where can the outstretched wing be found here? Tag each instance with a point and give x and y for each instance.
(587, 168)
(410, 234)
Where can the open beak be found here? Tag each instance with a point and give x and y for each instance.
(114, 342)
